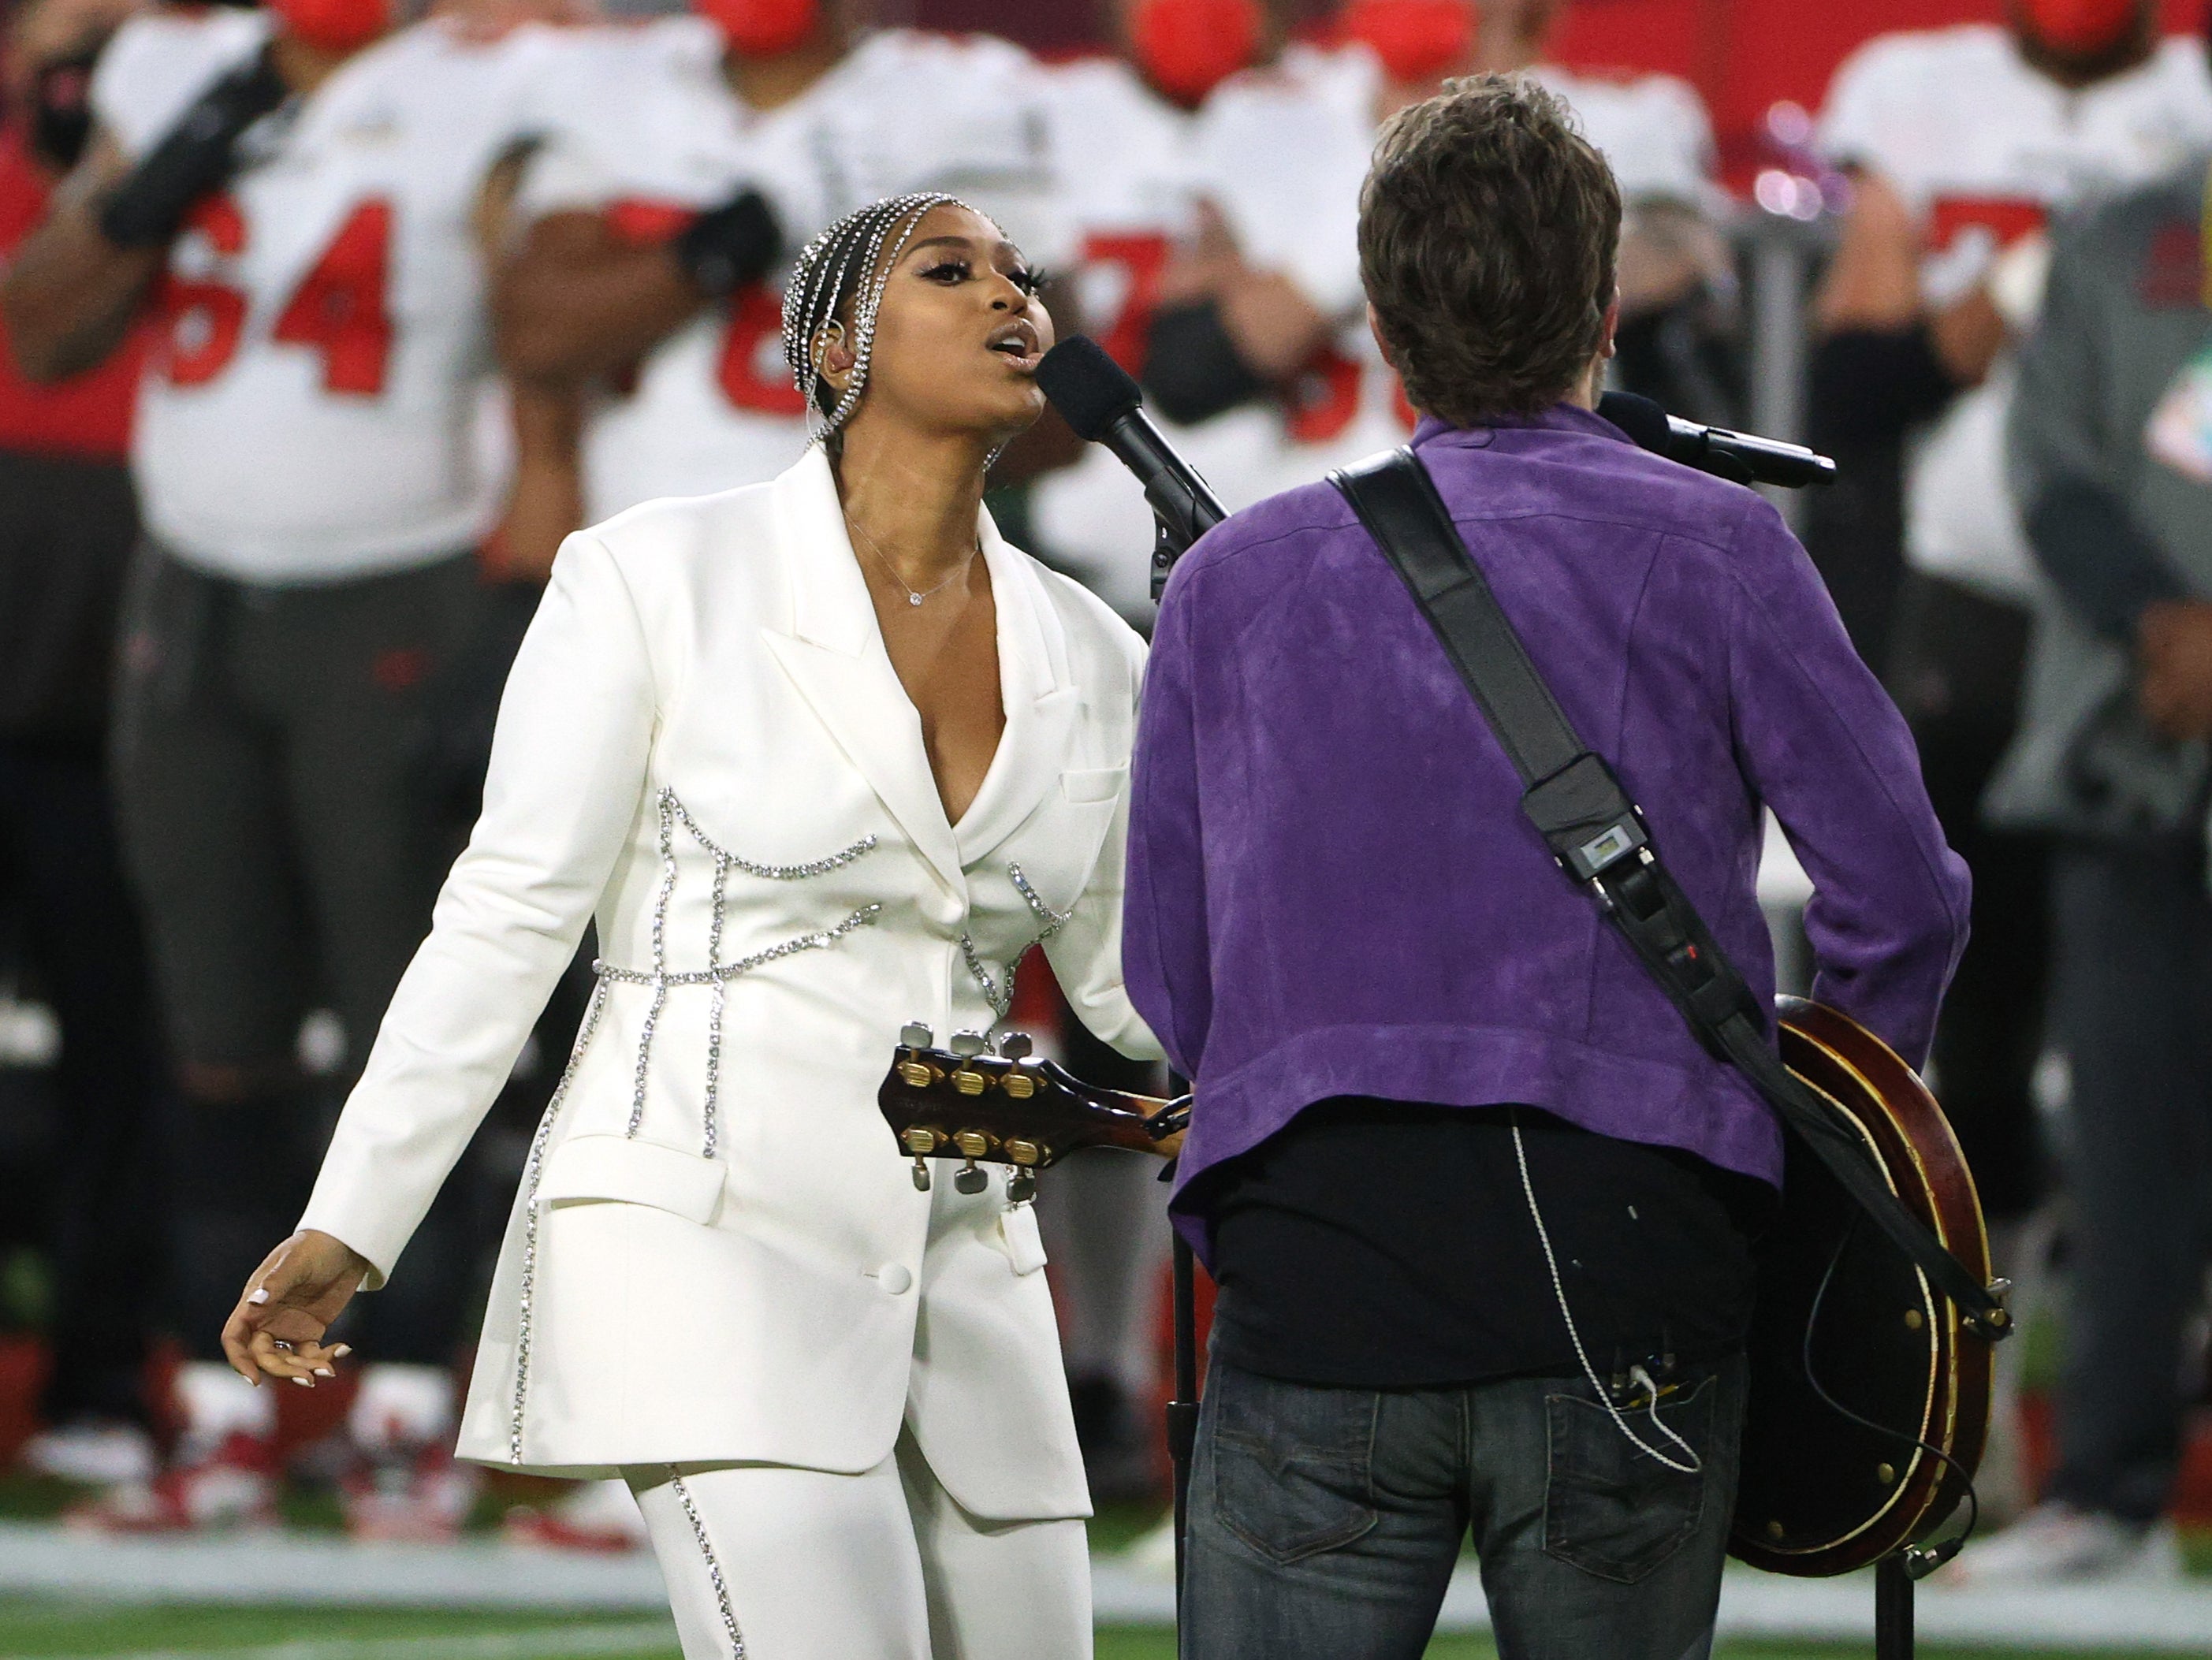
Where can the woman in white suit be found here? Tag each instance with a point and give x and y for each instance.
(820, 757)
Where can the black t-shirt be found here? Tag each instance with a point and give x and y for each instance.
(1386, 1245)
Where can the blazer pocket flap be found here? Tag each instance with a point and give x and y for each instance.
(1018, 1235)
(613, 1167)
(1093, 784)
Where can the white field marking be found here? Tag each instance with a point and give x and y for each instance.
(657, 1637)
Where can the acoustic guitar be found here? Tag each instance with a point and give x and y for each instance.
(1865, 1454)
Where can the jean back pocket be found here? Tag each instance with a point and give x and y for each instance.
(1610, 1508)
(1291, 1463)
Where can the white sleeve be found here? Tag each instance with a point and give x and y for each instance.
(564, 174)
(1286, 172)
(1671, 155)
(568, 170)
(568, 773)
(158, 64)
(1853, 129)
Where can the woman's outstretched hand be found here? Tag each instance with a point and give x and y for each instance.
(299, 1289)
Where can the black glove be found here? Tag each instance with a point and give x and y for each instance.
(150, 206)
(61, 111)
(1191, 367)
(1867, 386)
(726, 247)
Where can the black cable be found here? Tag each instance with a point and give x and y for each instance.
(1921, 1559)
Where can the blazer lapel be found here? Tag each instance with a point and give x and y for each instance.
(834, 654)
(1042, 702)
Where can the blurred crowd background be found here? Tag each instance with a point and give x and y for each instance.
(283, 464)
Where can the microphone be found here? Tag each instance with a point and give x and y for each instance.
(1096, 397)
(1736, 456)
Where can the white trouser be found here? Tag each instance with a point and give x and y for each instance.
(766, 1562)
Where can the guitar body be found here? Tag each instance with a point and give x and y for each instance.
(1821, 1494)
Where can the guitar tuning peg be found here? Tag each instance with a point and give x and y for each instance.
(1022, 1188)
(969, 1177)
(916, 1036)
(921, 1174)
(1016, 1046)
(967, 1043)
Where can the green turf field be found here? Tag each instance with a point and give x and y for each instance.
(36, 1630)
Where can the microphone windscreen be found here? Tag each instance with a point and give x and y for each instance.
(1090, 389)
(1643, 420)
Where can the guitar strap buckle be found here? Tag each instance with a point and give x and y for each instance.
(1585, 816)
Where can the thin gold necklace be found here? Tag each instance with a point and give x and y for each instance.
(892, 571)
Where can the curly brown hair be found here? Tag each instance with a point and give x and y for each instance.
(1487, 232)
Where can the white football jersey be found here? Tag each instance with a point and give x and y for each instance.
(1283, 153)
(1652, 130)
(311, 415)
(652, 133)
(1123, 166)
(1984, 149)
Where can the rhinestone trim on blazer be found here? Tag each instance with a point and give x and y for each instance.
(713, 1566)
(717, 973)
(533, 1171)
(999, 995)
(717, 976)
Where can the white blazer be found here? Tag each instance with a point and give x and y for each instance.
(718, 1253)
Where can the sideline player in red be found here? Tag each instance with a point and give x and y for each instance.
(293, 193)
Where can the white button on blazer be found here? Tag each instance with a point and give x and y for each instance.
(714, 1255)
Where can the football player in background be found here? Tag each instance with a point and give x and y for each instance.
(1120, 127)
(294, 194)
(1266, 307)
(693, 156)
(68, 521)
(1677, 275)
(1960, 143)
(1119, 124)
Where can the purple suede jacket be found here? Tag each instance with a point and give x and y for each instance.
(1332, 888)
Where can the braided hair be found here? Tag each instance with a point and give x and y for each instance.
(850, 262)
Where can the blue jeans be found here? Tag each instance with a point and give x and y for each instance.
(1325, 1523)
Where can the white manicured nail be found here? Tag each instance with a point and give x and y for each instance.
(261, 1296)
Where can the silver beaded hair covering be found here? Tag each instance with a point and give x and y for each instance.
(853, 257)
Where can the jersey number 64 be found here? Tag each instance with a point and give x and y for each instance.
(337, 309)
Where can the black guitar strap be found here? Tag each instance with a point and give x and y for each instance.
(1599, 837)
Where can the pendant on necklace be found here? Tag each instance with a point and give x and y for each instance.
(913, 599)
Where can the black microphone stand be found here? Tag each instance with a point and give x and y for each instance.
(1171, 542)
(1892, 1608)
(1182, 1409)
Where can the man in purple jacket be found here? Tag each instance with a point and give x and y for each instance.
(1420, 1055)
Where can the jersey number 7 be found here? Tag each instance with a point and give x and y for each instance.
(338, 308)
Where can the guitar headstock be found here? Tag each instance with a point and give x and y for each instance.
(1010, 1107)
